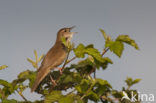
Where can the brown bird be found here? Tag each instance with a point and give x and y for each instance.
(55, 56)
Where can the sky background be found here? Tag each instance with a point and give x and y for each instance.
(26, 25)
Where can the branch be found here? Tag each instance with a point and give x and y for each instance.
(71, 59)
(71, 92)
(20, 93)
(104, 51)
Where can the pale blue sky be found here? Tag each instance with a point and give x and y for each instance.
(26, 25)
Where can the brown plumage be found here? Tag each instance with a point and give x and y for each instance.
(55, 56)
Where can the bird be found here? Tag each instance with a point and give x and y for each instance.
(55, 56)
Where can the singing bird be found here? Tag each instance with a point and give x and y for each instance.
(55, 56)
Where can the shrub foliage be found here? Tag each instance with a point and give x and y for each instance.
(78, 82)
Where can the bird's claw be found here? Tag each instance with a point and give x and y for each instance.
(60, 69)
(53, 81)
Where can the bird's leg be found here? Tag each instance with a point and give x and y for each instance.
(60, 69)
(52, 81)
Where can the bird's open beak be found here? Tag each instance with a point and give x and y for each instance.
(72, 28)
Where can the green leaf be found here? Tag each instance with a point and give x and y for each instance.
(79, 51)
(34, 64)
(101, 86)
(102, 82)
(83, 86)
(92, 96)
(54, 96)
(36, 57)
(31, 61)
(128, 40)
(67, 44)
(104, 34)
(67, 99)
(109, 43)
(30, 75)
(5, 83)
(104, 63)
(90, 46)
(7, 88)
(67, 78)
(24, 74)
(70, 98)
(78, 100)
(94, 53)
(117, 94)
(136, 81)
(129, 81)
(3, 67)
(107, 60)
(116, 47)
(41, 57)
(64, 41)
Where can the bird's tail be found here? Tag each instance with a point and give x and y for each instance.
(41, 74)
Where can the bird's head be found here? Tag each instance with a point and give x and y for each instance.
(66, 33)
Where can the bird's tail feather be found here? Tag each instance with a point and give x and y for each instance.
(41, 74)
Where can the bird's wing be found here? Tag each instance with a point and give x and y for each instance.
(41, 74)
(53, 58)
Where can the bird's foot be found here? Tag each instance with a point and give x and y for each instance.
(60, 69)
(53, 81)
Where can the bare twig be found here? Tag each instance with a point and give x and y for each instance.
(71, 92)
(104, 51)
(71, 59)
(66, 61)
(95, 74)
(21, 95)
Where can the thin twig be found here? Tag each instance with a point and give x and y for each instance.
(71, 91)
(71, 59)
(65, 61)
(95, 74)
(22, 95)
(104, 51)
